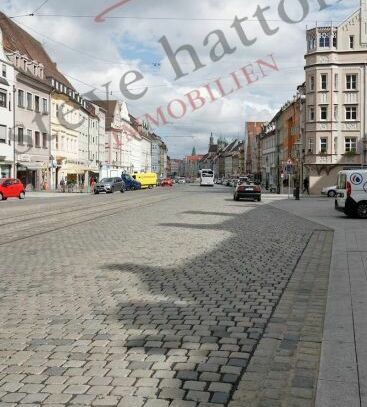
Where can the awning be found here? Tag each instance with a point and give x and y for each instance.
(32, 166)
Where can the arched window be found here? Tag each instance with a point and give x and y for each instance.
(324, 40)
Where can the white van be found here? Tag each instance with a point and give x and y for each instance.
(352, 193)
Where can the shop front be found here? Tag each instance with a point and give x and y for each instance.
(34, 176)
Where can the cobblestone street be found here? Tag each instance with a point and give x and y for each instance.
(155, 298)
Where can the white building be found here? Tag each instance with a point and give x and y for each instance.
(336, 95)
(7, 80)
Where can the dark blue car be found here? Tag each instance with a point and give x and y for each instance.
(130, 183)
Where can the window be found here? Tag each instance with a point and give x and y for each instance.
(44, 140)
(2, 134)
(29, 101)
(351, 41)
(351, 113)
(20, 98)
(323, 145)
(312, 113)
(44, 106)
(57, 141)
(29, 138)
(324, 41)
(324, 81)
(3, 70)
(336, 81)
(323, 113)
(37, 139)
(20, 135)
(37, 103)
(312, 83)
(351, 82)
(350, 144)
(3, 98)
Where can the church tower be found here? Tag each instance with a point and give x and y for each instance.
(211, 142)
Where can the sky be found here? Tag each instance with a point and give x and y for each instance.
(91, 54)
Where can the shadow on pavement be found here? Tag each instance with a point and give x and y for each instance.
(192, 329)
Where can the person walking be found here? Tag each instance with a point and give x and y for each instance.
(306, 186)
(92, 183)
(62, 185)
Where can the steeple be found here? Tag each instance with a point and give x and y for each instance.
(193, 152)
(211, 142)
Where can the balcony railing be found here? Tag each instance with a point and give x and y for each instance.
(333, 159)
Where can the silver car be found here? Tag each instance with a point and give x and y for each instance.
(329, 191)
(109, 185)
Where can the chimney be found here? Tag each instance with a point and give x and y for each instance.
(363, 22)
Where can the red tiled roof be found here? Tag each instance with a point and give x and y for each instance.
(16, 39)
(194, 157)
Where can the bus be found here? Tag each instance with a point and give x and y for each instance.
(207, 178)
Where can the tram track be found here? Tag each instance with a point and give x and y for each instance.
(37, 229)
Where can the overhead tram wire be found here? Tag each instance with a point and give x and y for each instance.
(39, 7)
(169, 18)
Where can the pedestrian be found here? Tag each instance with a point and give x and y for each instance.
(92, 183)
(306, 186)
(62, 185)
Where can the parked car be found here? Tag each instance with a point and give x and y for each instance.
(110, 185)
(131, 184)
(247, 191)
(166, 183)
(352, 193)
(146, 179)
(181, 181)
(329, 191)
(11, 188)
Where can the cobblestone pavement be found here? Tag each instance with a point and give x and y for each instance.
(157, 299)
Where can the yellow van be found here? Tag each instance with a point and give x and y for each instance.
(147, 179)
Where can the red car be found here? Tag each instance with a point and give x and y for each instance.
(167, 183)
(11, 188)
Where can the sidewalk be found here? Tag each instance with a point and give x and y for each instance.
(343, 368)
(55, 194)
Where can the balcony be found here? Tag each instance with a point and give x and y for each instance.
(322, 39)
(333, 159)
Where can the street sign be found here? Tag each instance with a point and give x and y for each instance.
(289, 169)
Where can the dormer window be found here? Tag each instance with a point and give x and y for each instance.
(351, 41)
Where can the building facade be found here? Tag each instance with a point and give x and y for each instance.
(252, 129)
(7, 80)
(336, 95)
(32, 122)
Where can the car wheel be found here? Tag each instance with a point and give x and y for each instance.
(122, 190)
(362, 210)
(236, 198)
(259, 199)
(96, 193)
(331, 194)
(2, 197)
(22, 195)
